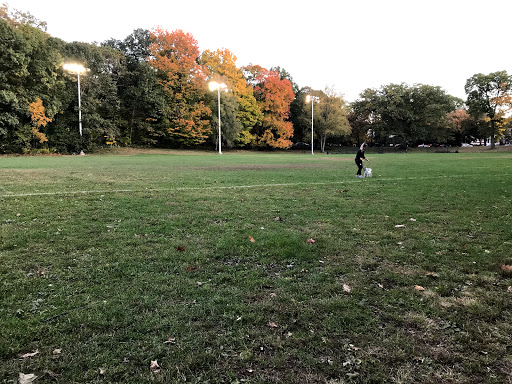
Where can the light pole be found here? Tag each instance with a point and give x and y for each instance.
(313, 100)
(78, 69)
(218, 86)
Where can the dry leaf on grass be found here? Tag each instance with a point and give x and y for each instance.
(399, 226)
(509, 289)
(180, 249)
(170, 340)
(31, 354)
(311, 241)
(252, 239)
(102, 371)
(154, 366)
(346, 288)
(419, 288)
(506, 269)
(57, 351)
(271, 324)
(26, 379)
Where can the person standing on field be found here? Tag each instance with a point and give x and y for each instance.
(359, 159)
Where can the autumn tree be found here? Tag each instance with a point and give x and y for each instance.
(39, 120)
(274, 96)
(220, 66)
(175, 56)
(330, 116)
(490, 96)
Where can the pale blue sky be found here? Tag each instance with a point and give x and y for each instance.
(351, 45)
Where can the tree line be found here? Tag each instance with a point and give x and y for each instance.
(151, 89)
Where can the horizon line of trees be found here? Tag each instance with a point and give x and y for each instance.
(151, 89)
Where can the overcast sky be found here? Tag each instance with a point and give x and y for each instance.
(350, 45)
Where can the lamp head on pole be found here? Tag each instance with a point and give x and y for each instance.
(313, 99)
(75, 68)
(214, 86)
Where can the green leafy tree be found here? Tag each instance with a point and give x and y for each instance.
(406, 114)
(29, 61)
(330, 116)
(300, 116)
(490, 96)
(100, 100)
(142, 98)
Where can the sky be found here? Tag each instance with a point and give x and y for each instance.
(347, 45)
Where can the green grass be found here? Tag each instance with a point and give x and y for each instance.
(107, 257)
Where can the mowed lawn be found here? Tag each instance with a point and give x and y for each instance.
(256, 268)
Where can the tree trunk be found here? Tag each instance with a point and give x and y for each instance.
(323, 139)
(493, 133)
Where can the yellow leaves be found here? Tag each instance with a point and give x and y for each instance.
(39, 119)
(39, 136)
(36, 109)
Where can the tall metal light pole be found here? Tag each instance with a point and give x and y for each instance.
(218, 86)
(313, 100)
(78, 69)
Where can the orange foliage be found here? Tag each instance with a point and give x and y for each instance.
(274, 97)
(457, 118)
(174, 55)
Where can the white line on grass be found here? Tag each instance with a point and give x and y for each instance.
(215, 187)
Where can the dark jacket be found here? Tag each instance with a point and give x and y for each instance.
(360, 156)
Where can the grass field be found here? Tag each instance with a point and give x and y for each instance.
(110, 262)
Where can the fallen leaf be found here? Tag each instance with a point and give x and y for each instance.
(26, 379)
(506, 269)
(400, 243)
(180, 249)
(170, 340)
(411, 219)
(154, 366)
(346, 288)
(18, 214)
(271, 324)
(57, 351)
(419, 288)
(273, 294)
(509, 289)
(311, 241)
(399, 226)
(277, 218)
(252, 239)
(432, 274)
(487, 251)
(192, 268)
(31, 354)
(102, 371)
(250, 370)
